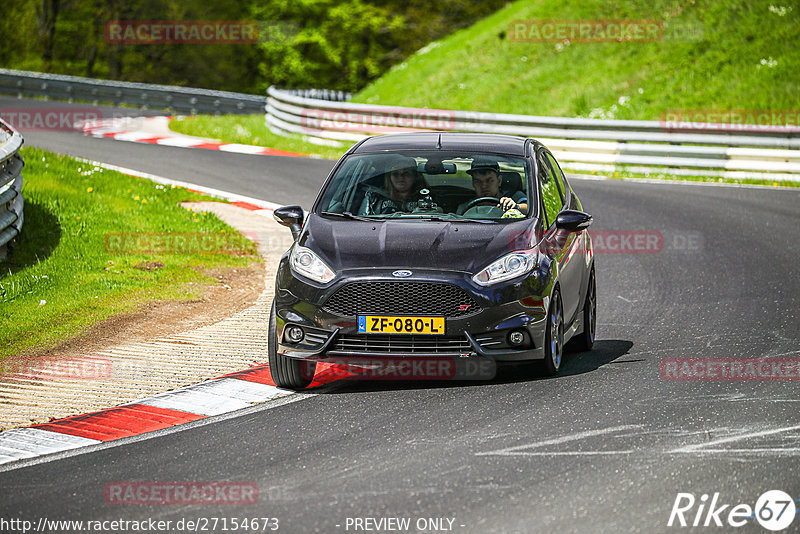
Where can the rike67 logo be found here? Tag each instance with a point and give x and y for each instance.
(775, 510)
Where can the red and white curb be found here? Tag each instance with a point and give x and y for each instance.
(176, 407)
(223, 395)
(226, 394)
(155, 131)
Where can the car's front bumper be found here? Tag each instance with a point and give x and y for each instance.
(520, 304)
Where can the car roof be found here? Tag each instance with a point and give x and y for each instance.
(474, 142)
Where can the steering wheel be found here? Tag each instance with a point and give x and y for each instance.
(479, 200)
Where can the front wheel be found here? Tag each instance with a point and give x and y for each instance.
(286, 372)
(554, 336)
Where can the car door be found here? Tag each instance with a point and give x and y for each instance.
(566, 245)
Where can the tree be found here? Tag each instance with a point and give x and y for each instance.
(46, 17)
(336, 44)
(326, 43)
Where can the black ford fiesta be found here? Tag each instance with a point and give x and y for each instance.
(435, 246)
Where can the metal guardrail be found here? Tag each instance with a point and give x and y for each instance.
(582, 144)
(320, 94)
(178, 99)
(325, 116)
(11, 202)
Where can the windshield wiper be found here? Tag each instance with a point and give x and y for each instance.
(348, 215)
(437, 218)
(456, 218)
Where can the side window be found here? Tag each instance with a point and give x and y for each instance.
(559, 176)
(550, 195)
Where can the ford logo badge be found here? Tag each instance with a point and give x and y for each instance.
(402, 274)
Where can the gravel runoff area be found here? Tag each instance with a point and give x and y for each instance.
(156, 359)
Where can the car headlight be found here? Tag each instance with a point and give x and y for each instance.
(508, 267)
(308, 264)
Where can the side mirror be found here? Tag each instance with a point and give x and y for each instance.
(573, 220)
(291, 216)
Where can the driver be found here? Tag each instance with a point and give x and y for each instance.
(486, 180)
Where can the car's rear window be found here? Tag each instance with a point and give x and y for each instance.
(443, 185)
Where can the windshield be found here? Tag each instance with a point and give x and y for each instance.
(429, 185)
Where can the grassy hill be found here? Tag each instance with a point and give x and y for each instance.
(708, 54)
(711, 55)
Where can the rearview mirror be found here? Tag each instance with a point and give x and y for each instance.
(573, 220)
(437, 167)
(291, 216)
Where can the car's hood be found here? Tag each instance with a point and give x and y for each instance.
(397, 244)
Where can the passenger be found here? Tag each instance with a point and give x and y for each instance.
(486, 180)
(402, 183)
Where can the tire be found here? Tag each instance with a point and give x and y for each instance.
(286, 372)
(585, 341)
(554, 336)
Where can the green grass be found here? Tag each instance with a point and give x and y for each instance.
(714, 55)
(251, 130)
(60, 279)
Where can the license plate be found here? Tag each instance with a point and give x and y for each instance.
(392, 324)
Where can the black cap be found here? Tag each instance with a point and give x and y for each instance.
(483, 162)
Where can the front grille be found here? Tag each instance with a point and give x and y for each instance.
(399, 344)
(401, 298)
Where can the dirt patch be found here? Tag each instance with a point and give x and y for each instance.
(158, 347)
(148, 266)
(234, 290)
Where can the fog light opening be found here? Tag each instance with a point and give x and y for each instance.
(516, 338)
(295, 334)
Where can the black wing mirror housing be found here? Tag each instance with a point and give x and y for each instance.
(291, 216)
(573, 220)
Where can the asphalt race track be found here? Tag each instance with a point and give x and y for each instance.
(606, 446)
(281, 179)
